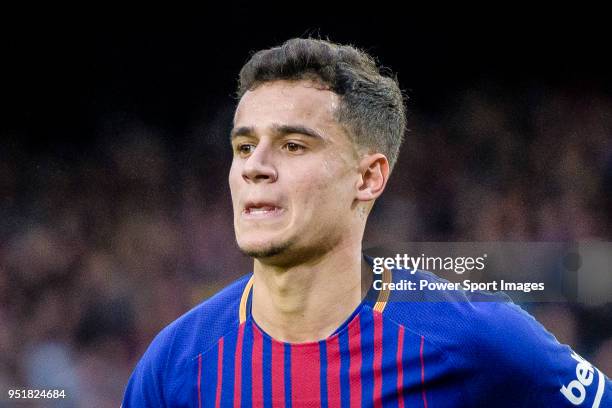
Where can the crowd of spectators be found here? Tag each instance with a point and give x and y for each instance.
(104, 245)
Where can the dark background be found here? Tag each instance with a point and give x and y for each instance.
(115, 213)
(63, 75)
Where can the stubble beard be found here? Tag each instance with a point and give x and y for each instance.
(286, 254)
(269, 251)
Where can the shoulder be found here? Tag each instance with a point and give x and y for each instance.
(483, 325)
(202, 326)
(486, 336)
(181, 341)
(442, 312)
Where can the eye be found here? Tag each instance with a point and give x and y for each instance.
(244, 149)
(293, 147)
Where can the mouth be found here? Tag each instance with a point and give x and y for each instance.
(261, 210)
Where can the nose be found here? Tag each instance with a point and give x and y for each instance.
(259, 166)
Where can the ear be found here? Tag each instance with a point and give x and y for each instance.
(374, 172)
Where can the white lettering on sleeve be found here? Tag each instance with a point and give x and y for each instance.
(575, 391)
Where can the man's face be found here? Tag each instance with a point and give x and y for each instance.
(294, 172)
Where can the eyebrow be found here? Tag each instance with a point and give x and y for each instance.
(278, 130)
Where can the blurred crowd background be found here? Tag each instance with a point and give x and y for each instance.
(110, 233)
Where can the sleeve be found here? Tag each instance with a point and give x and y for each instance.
(146, 384)
(543, 372)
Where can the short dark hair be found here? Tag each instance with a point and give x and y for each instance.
(372, 104)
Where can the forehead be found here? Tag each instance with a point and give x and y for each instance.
(287, 103)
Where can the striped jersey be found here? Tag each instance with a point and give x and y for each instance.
(436, 349)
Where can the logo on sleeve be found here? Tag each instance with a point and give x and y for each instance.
(576, 391)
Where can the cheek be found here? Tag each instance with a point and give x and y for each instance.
(234, 171)
(234, 178)
(339, 179)
(323, 193)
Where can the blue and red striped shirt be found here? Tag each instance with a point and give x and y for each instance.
(441, 350)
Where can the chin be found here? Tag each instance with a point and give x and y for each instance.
(262, 249)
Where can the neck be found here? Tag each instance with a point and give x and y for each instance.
(308, 302)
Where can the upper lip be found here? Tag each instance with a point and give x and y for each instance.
(248, 205)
